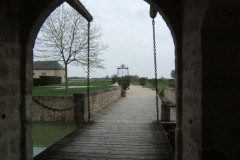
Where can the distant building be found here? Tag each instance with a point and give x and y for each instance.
(48, 68)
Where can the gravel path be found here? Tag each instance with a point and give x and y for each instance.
(138, 106)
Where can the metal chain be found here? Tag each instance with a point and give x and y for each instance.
(155, 67)
(55, 109)
(88, 73)
(163, 101)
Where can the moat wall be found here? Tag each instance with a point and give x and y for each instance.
(98, 100)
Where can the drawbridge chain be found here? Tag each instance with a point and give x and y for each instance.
(55, 109)
(155, 68)
(153, 14)
(88, 73)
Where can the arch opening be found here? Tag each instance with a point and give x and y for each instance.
(37, 32)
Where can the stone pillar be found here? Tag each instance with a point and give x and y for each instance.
(165, 113)
(79, 102)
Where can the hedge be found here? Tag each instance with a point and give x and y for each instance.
(142, 81)
(36, 82)
(46, 80)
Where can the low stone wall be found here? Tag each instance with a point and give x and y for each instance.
(98, 100)
(40, 114)
(169, 94)
(102, 98)
(169, 112)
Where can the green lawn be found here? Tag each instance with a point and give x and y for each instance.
(53, 90)
(161, 84)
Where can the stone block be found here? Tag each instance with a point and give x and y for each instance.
(165, 113)
(4, 71)
(15, 72)
(15, 89)
(170, 94)
(10, 32)
(188, 100)
(79, 102)
(5, 91)
(3, 52)
(2, 8)
(15, 54)
(4, 142)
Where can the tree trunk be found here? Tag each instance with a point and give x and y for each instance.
(66, 79)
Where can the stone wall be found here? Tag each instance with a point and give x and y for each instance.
(220, 80)
(193, 13)
(98, 100)
(170, 94)
(102, 98)
(10, 83)
(40, 114)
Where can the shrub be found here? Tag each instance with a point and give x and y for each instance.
(46, 80)
(142, 81)
(153, 82)
(124, 82)
(171, 83)
(114, 80)
(36, 82)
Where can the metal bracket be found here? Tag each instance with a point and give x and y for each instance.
(153, 12)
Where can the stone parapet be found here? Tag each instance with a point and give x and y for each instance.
(170, 94)
(98, 100)
(168, 110)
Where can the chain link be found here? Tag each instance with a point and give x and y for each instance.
(55, 109)
(155, 67)
(88, 73)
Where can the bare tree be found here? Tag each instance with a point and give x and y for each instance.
(63, 37)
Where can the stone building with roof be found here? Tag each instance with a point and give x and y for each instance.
(48, 68)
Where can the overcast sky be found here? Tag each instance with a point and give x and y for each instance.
(127, 29)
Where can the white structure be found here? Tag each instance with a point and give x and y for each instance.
(122, 71)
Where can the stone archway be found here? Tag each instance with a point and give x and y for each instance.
(206, 37)
(20, 23)
(30, 29)
(34, 29)
(29, 55)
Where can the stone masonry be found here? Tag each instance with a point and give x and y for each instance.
(170, 94)
(98, 100)
(206, 35)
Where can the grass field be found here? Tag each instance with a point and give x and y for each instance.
(161, 84)
(59, 89)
